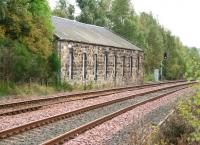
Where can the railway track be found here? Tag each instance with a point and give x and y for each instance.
(36, 104)
(77, 131)
(48, 128)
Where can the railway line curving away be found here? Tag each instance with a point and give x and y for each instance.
(57, 128)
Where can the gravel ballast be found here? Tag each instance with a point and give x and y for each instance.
(126, 135)
(104, 132)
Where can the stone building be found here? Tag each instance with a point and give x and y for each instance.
(92, 53)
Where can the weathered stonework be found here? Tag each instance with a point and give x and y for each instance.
(121, 78)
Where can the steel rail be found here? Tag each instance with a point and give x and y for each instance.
(73, 133)
(16, 130)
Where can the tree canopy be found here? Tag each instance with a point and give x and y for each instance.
(25, 39)
(63, 9)
(28, 22)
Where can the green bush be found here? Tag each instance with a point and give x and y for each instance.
(67, 86)
(149, 78)
(64, 86)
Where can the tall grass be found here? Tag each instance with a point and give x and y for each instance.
(12, 89)
(149, 78)
(35, 89)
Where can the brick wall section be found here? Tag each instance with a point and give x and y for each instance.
(79, 48)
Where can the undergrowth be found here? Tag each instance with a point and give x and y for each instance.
(149, 78)
(20, 90)
(35, 89)
(183, 127)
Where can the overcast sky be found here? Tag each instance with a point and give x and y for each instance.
(181, 17)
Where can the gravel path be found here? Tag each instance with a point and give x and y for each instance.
(39, 135)
(105, 131)
(16, 120)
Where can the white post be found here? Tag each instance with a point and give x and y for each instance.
(156, 75)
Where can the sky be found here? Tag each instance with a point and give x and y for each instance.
(181, 17)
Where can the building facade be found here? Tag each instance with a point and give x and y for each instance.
(94, 54)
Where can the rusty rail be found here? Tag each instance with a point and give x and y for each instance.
(16, 130)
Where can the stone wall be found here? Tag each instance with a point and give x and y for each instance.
(78, 49)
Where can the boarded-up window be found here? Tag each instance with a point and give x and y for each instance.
(106, 64)
(123, 66)
(138, 62)
(131, 65)
(71, 59)
(84, 67)
(115, 65)
(95, 67)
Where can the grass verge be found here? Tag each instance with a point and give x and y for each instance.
(12, 90)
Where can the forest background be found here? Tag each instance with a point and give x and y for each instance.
(26, 39)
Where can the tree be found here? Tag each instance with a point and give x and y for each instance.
(3, 9)
(124, 20)
(30, 24)
(88, 8)
(94, 12)
(192, 60)
(174, 66)
(26, 40)
(16, 60)
(71, 11)
(63, 9)
(120, 12)
(55, 66)
(151, 40)
(21, 65)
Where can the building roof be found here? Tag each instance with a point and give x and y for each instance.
(72, 30)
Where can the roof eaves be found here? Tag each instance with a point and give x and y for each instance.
(63, 39)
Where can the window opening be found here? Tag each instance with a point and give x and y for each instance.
(84, 65)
